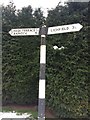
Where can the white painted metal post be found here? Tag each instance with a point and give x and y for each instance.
(43, 32)
(41, 102)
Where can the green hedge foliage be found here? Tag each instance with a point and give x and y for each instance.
(66, 69)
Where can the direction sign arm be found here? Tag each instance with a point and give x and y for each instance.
(64, 29)
(24, 32)
(41, 106)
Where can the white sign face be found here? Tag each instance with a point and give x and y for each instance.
(51, 30)
(64, 28)
(24, 32)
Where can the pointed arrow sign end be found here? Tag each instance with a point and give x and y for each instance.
(10, 32)
(80, 26)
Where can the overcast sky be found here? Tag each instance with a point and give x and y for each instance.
(34, 3)
(44, 4)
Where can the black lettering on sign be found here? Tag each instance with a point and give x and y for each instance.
(56, 29)
(65, 28)
(23, 30)
(59, 29)
(15, 31)
(73, 27)
(31, 30)
(51, 30)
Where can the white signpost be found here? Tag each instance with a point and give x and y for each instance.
(51, 30)
(43, 32)
(24, 31)
(64, 28)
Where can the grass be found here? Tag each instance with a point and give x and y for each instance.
(20, 111)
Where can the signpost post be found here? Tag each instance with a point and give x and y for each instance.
(43, 32)
(41, 106)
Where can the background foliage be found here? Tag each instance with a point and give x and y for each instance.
(67, 69)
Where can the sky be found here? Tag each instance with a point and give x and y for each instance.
(44, 4)
(34, 3)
